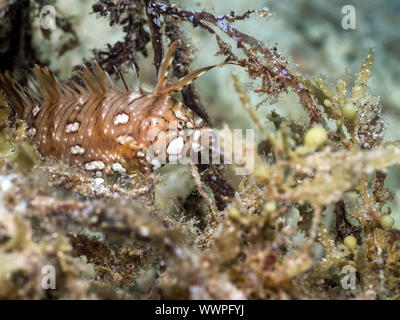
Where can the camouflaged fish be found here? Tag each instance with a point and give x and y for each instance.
(102, 128)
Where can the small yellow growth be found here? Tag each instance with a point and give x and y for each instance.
(315, 137)
(350, 242)
(349, 111)
(302, 151)
(234, 214)
(328, 103)
(270, 207)
(386, 221)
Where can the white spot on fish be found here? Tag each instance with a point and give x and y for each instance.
(121, 118)
(175, 146)
(155, 163)
(32, 132)
(189, 125)
(198, 121)
(35, 111)
(94, 165)
(118, 168)
(124, 139)
(72, 127)
(77, 150)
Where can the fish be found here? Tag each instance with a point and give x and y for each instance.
(102, 128)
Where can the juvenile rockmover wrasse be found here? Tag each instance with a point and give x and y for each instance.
(102, 128)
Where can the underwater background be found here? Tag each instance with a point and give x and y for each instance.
(106, 243)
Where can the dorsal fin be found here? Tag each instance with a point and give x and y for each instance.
(175, 86)
(97, 82)
(165, 87)
(48, 89)
(122, 78)
(164, 68)
(14, 93)
(45, 88)
(48, 85)
(139, 85)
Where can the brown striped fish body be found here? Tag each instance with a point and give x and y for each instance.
(102, 128)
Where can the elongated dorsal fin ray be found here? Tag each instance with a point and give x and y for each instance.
(139, 85)
(106, 79)
(164, 68)
(175, 86)
(165, 87)
(122, 78)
